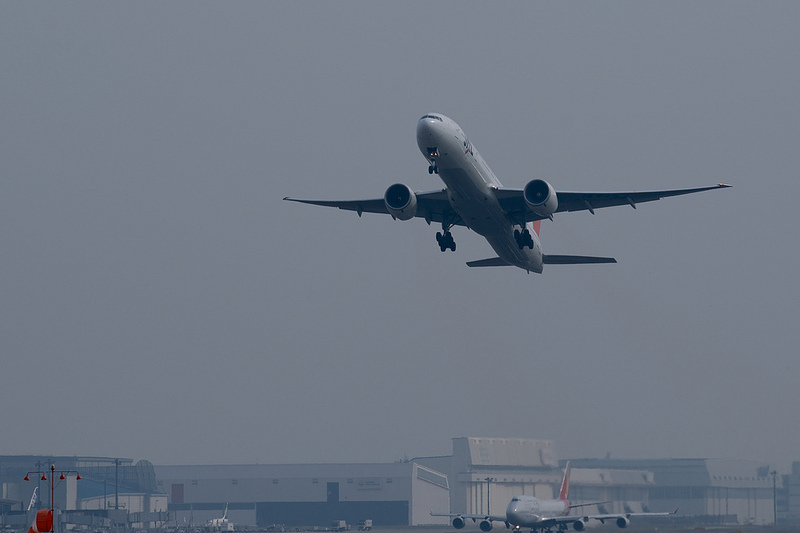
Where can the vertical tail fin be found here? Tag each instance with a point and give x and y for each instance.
(537, 224)
(565, 484)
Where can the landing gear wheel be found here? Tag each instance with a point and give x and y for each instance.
(445, 241)
(523, 238)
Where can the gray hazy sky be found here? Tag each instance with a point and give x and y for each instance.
(158, 300)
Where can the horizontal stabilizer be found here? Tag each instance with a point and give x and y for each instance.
(491, 262)
(574, 259)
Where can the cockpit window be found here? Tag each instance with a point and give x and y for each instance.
(434, 117)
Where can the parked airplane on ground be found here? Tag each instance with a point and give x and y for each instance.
(544, 515)
(34, 497)
(474, 198)
(220, 524)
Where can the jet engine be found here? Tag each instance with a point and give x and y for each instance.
(486, 525)
(459, 522)
(401, 202)
(579, 525)
(540, 197)
(623, 522)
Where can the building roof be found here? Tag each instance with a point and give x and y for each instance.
(259, 471)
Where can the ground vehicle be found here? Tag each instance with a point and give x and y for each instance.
(340, 525)
(364, 525)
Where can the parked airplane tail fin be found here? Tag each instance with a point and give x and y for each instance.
(575, 259)
(564, 493)
(34, 497)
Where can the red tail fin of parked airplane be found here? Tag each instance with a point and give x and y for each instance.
(562, 495)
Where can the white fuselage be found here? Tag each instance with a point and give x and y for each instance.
(528, 511)
(471, 189)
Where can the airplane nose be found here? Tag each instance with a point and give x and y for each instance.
(426, 128)
(429, 134)
(511, 510)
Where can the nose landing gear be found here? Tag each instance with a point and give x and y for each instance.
(433, 153)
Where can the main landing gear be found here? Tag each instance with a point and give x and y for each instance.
(445, 241)
(523, 238)
(445, 238)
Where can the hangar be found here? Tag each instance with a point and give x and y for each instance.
(481, 475)
(485, 473)
(714, 491)
(305, 494)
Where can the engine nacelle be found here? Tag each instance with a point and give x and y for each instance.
(459, 522)
(401, 202)
(486, 525)
(540, 197)
(623, 521)
(579, 525)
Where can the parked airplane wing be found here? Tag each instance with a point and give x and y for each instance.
(621, 519)
(433, 206)
(473, 517)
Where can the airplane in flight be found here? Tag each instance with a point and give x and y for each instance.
(509, 219)
(544, 515)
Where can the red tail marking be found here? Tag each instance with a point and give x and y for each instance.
(536, 225)
(565, 483)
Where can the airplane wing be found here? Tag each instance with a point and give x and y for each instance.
(473, 517)
(547, 259)
(433, 206)
(511, 199)
(622, 519)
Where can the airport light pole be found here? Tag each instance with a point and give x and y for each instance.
(488, 481)
(774, 496)
(116, 484)
(39, 464)
(51, 481)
